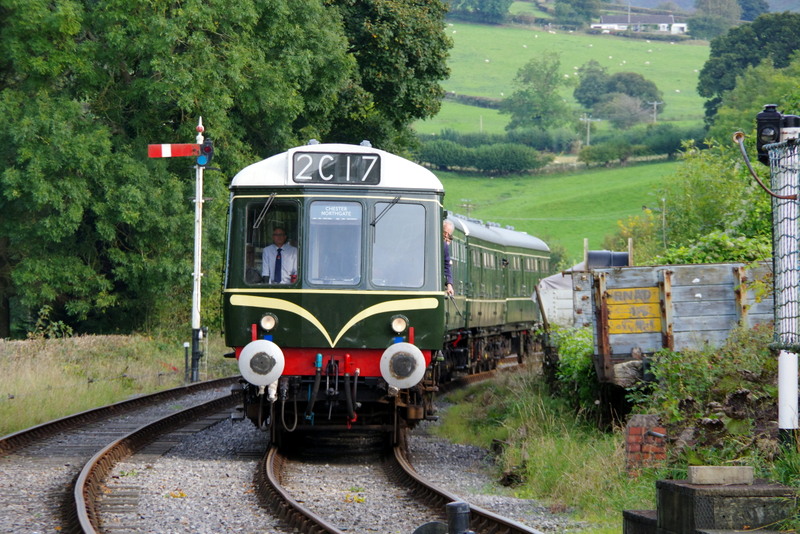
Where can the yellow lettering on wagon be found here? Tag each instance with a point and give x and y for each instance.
(633, 310)
(632, 295)
(634, 326)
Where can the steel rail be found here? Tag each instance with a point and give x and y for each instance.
(481, 520)
(23, 438)
(88, 486)
(284, 506)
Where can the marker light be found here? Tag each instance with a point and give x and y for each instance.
(399, 324)
(268, 322)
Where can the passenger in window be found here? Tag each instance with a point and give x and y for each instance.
(447, 230)
(279, 263)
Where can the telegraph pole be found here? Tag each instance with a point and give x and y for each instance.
(588, 120)
(655, 109)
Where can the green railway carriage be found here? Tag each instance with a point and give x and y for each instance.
(361, 308)
(493, 313)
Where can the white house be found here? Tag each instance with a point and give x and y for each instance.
(636, 22)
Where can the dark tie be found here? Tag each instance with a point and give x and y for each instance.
(277, 272)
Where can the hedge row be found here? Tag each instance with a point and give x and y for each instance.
(500, 158)
(526, 150)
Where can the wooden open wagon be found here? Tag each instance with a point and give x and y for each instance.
(637, 311)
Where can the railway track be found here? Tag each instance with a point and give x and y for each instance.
(66, 467)
(39, 465)
(295, 491)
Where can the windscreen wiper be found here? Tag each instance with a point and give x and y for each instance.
(377, 218)
(264, 211)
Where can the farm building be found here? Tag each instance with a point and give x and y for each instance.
(638, 23)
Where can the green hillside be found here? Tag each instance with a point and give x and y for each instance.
(560, 208)
(563, 208)
(485, 59)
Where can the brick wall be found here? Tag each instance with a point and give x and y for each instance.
(645, 443)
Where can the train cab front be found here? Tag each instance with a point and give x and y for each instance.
(333, 286)
(300, 388)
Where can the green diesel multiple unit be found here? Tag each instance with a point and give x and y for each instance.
(349, 323)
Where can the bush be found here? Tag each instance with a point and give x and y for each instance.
(444, 154)
(663, 138)
(554, 140)
(605, 153)
(506, 158)
(576, 376)
(720, 400)
(472, 140)
(719, 247)
(498, 158)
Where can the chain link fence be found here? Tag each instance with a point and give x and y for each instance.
(785, 167)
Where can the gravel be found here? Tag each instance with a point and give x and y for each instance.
(204, 485)
(468, 472)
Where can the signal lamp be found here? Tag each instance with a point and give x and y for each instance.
(768, 130)
(206, 153)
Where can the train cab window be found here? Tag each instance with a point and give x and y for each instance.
(271, 225)
(398, 250)
(334, 247)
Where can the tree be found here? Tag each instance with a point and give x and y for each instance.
(712, 191)
(713, 18)
(757, 86)
(774, 35)
(592, 84)
(576, 12)
(537, 102)
(94, 228)
(707, 27)
(487, 11)
(401, 52)
(623, 111)
(634, 85)
(727, 9)
(595, 85)
(753, 8)
(711, 210)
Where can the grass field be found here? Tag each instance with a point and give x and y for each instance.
(560, 208)
(44, 379)
(485, 59)
(464, 118)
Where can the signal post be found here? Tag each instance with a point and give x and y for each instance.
(204, 151)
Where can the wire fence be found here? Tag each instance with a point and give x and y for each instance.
(785, 168)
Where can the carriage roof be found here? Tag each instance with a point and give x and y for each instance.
(496, 234)
(395, 172)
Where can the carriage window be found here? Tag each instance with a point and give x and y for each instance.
(334, 248)
(271, 225)
(398, 252)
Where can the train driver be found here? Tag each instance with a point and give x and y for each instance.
(279, 260)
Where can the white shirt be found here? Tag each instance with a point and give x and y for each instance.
(288, 262)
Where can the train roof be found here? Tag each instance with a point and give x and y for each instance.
(497, 234)
(395, 172)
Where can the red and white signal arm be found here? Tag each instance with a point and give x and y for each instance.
(175, 150)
